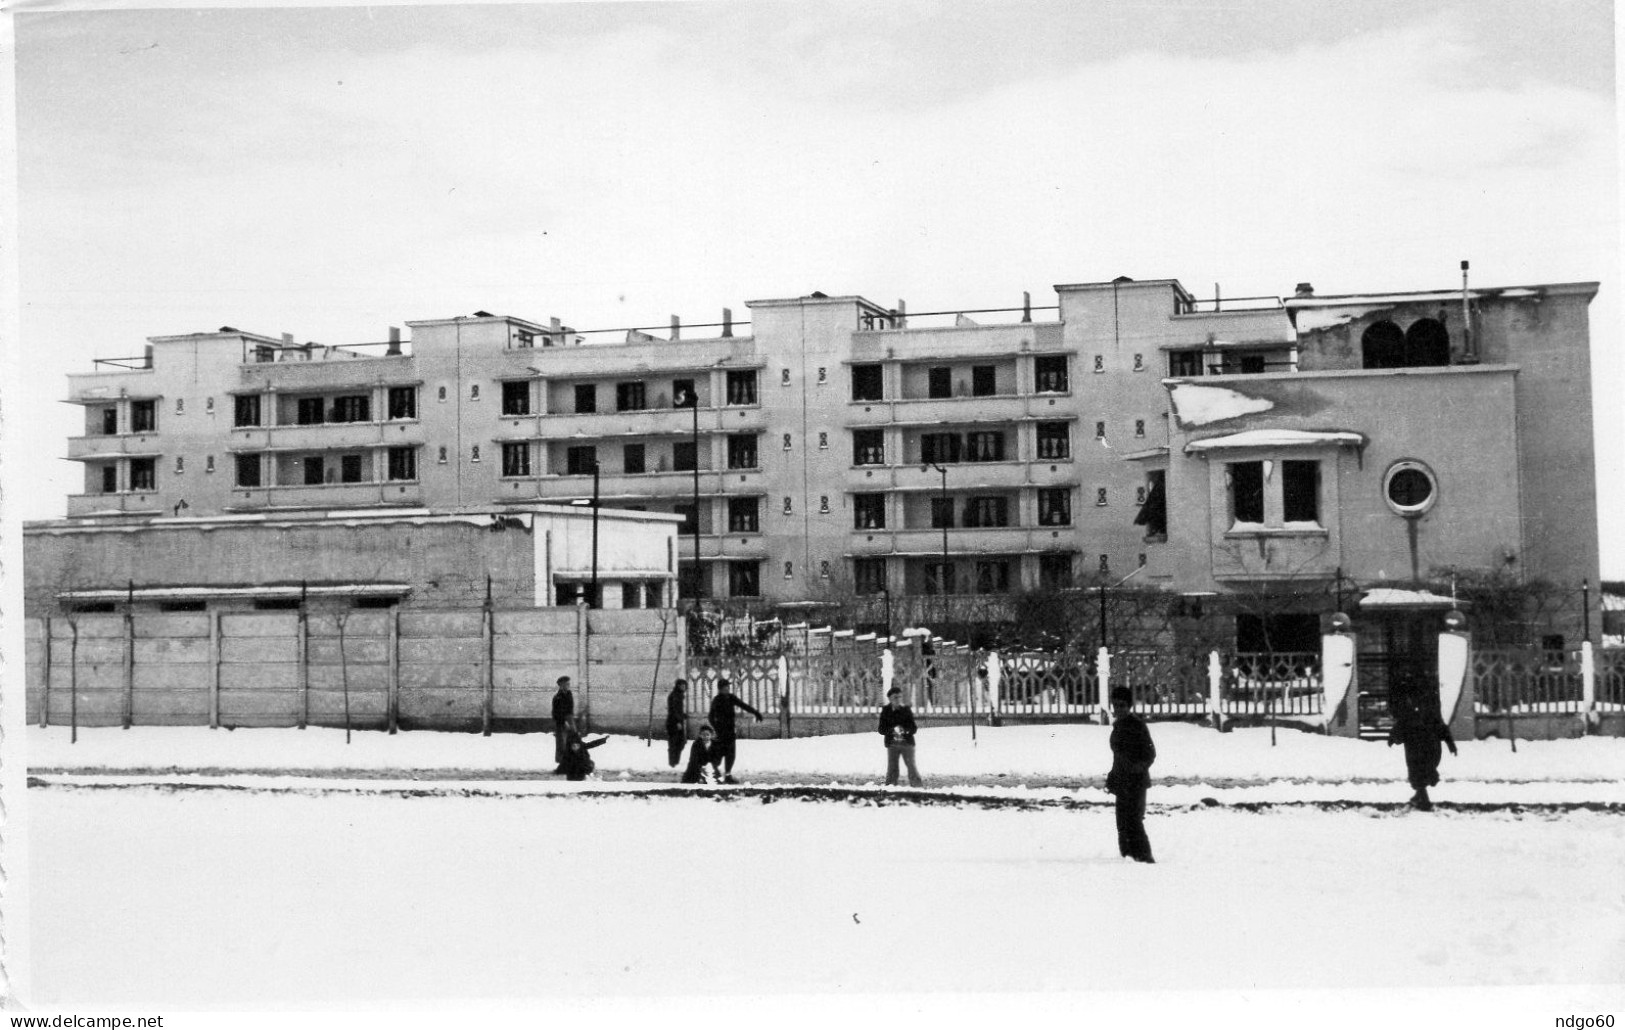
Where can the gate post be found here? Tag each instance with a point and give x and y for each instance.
(1215, 689)
(1456, 702)
(1588, 687)
(1103, 684)
(1339, 679)
(783, 674)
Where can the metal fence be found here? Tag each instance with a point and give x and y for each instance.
(1527, 681)
(1610, 676)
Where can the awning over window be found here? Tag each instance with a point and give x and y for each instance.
(1258, 439)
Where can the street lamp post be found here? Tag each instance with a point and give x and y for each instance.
(595, 601)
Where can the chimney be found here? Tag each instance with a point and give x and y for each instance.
(676, 327)
(727, 322)
(554, 334)
(394, 341)
(902, 314)
(1304, 290)
(287, 338)
(1026, 306)
(149, 355)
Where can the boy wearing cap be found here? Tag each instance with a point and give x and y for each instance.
(1130, 777)
(897, 729)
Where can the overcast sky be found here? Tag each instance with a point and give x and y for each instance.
(333, 171)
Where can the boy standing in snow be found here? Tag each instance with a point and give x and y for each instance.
(722, 720)
(1130, 776)
(676, 722)
(1418, 725)
(703, 753)
(897, 729)
(564, 721)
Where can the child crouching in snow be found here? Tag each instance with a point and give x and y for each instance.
(704, 753)
(578, 765)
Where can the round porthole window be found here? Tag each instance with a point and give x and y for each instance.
(1410, 488)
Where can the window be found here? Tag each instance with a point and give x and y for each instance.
(983, 381)
(868, 447)
(789, 570)
(403, 402)
(1100, 430)
(823, 375)
(1139, 362)
(867, 383)
(110, 420)
(349, 468)
(180, 464)
(441, 455)
(474, 392)
(630, 397)
(823, 441)
(1184, 363)
(474, 454)
(987, 512)
(683, 394)
(516, 459)
(690, 524)
(984, 446)
(1054, 571)
(308, 411)
(993, 577)
(183, 606)
(143, 416)
(823, 504)
(586, 398)
(742, 451)
(1241, 364)
(939, 382)
(1300, 491)
(1247, 491)
(868, 511)
(580, 461)
(1055, 507)
(1054, 443)
(745, 579)
(744, 515)
(248, 470)
(786, 441)
(632, 460)
(516, 398)
(109, 479)
(942, 513)
(403, 463)
(693, 581)
(939, 448)
(314, 470)
(1100, 363)
(375, 602)
(1139, 427)
(683, 456)
(939, 577)
(352, 408)
(869, 575)
(276, 604)
(1153, 514)
(784, 377)
(442, 394)
(823, 569)
(742, 387)
(1100, 497)
(631, 595)
(1409, 488)
(246, 410)
(789, 506)
(1049, 373)
(208, 463)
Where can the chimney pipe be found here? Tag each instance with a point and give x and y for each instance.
(727, 322)
(394, 340)
(1304, 290)
(287, 338)
(902, 313)
(676, 327)
(1026, 306)
(1469, 349)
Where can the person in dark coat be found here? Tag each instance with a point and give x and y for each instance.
(578, 764)
(722, 720)
(1419, 726)
(897, 729)
(703, 753)
(676, 722)
(564, 721)
(1130, 776)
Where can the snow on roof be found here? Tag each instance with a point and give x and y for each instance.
(1391, 597)
(1197, 405)
(1277, 438)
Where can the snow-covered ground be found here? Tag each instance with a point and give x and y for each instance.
(424, 870)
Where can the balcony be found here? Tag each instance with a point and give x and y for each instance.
(325, 436)
(610, 425)
(327, 495)
(86, 448)
(147, 503)
(104, 386)
(1003, 540)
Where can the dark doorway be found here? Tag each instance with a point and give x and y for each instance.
(1399, 655)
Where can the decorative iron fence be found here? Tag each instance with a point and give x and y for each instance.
(1164, 682)
(1038, 683)
(1527, 681)
(1285, 683)
(1610, 676)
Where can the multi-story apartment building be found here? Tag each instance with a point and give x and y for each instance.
(844, 447)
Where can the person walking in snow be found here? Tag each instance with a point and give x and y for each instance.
(1418, 726)
(578, 764)
(564, 721)
(1130, 776)
(897, 729)
(722, 721)
(703, 754)
(676, 722)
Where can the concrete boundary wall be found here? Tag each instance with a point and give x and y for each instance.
(457, 669)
